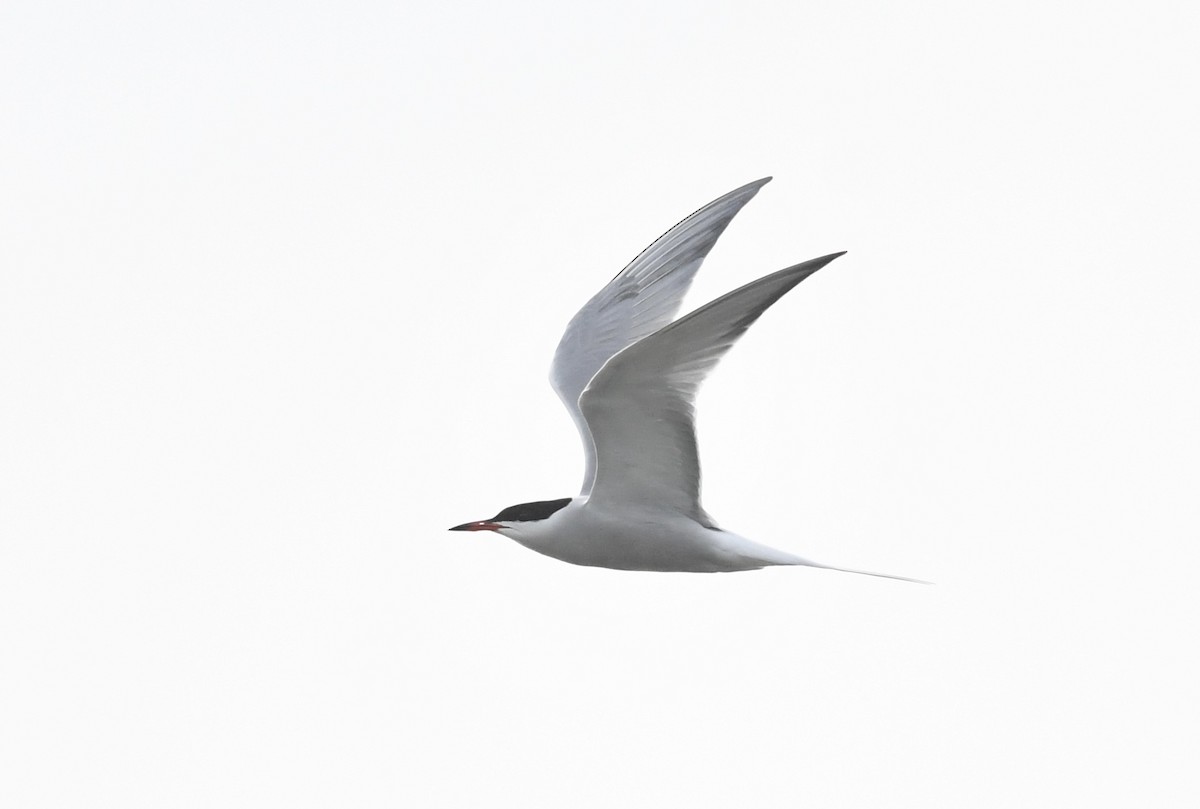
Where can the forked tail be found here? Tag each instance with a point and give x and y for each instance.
(807, 563)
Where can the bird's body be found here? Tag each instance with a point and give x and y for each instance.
(639, 538)
(628, 376)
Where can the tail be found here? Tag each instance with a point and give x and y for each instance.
(760, 556)
(796, 560)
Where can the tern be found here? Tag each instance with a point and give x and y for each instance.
(629, 376)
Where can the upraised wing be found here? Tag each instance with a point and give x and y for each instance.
(639, 301)
(640, 406)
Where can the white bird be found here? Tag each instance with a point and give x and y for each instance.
(629, 378)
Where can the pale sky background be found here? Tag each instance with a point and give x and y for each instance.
(280, 287)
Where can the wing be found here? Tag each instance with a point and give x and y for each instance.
(641, 299)
(640, 406)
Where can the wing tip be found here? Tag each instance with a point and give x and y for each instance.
(807, 268)
(746, 191)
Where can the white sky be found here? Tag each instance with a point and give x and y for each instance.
(280, 287)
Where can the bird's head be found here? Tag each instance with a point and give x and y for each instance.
(516, 517)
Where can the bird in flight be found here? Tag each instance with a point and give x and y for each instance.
(628, 375)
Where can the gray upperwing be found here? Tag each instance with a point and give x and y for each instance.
(639, 301)
(640, 406)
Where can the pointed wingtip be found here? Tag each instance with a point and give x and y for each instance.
(823, 260)
(748, 190)
(807, 268)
